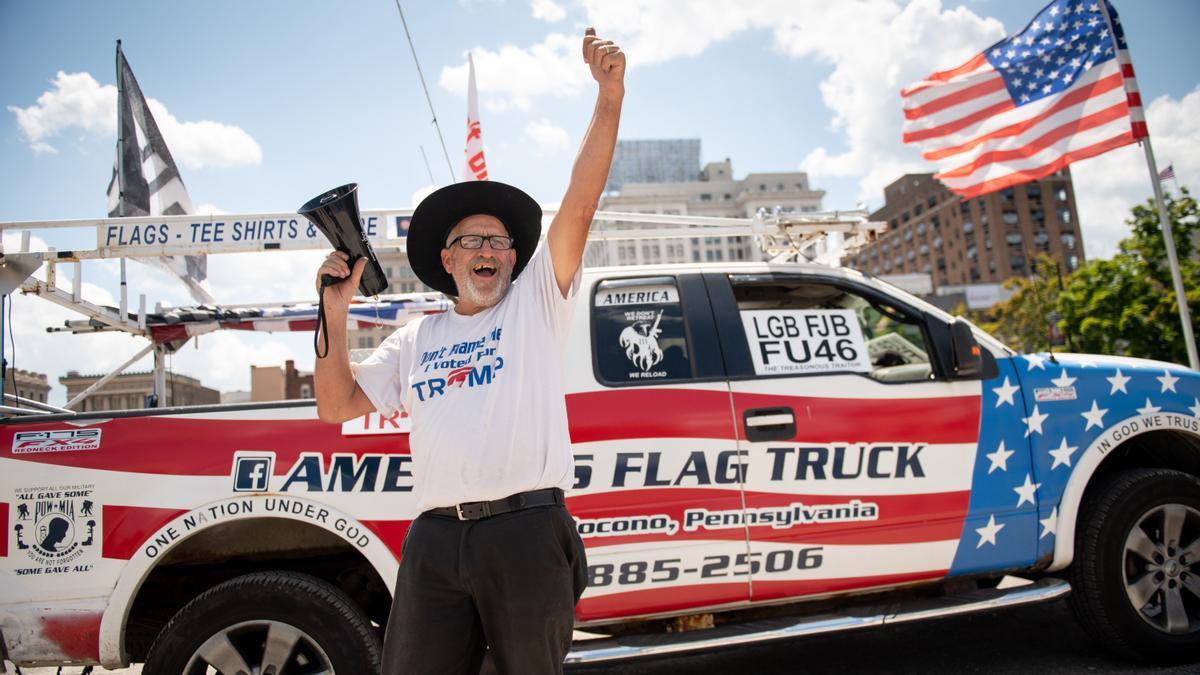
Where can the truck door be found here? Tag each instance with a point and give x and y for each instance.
(859, 458)
(655, 442)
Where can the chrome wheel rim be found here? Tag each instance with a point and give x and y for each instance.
(1162, 568)
(260, 648)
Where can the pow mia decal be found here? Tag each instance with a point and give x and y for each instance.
(56, 528)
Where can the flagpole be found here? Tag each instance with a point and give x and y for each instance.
(121, 205)
(1163, 217)
(1169, 240)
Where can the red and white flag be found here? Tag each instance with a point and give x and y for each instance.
(475, 167)
(1060, 90)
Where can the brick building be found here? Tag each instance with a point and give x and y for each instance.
(977, 241)
(272, 383)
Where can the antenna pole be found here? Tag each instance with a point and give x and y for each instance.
(429, 171)
(424, 88)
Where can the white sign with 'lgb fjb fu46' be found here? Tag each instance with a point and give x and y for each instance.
(805, 341)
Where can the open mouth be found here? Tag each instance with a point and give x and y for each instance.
(485, 270)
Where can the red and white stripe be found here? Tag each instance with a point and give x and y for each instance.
(965, 120)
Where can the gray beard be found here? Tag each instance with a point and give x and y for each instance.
(467, 290)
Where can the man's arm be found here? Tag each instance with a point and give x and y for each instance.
(339, 397)
(568, 232)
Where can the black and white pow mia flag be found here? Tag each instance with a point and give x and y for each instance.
(145, 180)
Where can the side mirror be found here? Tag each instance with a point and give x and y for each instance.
(971, 361)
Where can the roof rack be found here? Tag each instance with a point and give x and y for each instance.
(782, 236)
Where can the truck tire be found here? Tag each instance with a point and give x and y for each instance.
(1136, 576)
(267, 623)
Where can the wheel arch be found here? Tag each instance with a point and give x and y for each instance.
(1137, 442)
(210, 552)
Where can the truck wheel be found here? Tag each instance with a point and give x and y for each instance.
(1136, 575)
(267, 623)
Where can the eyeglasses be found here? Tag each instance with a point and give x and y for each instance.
(473, 241)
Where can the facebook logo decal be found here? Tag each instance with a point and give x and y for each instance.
(250, 474)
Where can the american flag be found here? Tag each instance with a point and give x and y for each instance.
(1058, 91)
(1167, 173)
(175, 326)
(142, 152)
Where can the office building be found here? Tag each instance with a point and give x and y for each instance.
(713, 192)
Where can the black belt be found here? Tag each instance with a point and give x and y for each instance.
(521, 500)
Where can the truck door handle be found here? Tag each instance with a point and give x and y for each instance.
(770, 424)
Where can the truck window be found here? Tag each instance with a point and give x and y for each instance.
(638, 332)
(795, 328)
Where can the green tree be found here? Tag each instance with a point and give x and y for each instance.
(1127, 305)
(1023, 321)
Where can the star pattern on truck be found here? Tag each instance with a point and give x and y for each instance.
(1040, 417)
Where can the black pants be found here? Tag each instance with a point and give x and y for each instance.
(508, 583)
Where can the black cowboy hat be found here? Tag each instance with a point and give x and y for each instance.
(438, 213)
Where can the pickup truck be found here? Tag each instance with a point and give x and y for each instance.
(761, 451)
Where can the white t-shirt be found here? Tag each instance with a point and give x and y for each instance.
(485, 393)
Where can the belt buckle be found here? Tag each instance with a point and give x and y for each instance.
(474, 510)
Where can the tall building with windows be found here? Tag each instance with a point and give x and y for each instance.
(984, 240)
(654, 161)
(712, 191)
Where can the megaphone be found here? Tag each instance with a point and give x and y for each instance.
(335, 213)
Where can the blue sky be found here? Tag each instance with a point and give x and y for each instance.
(271, 102)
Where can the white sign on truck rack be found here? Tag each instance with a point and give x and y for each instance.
(142, 236)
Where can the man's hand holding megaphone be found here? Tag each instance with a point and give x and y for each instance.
(339, 295)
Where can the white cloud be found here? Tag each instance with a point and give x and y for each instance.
(547, 138)
(906, 42)
(53, 354)
(420, 194)
(1108, 186)
(654, 31)
(209, 210)
(651, 31)
(220, 360)
(512, 76)
(239, 278)
(77, 100)
(548, 10)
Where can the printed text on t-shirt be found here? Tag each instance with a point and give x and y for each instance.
(465, 363)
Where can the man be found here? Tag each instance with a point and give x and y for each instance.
(494, 559)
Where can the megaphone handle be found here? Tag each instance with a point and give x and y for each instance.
(322, 330)
(328, 280)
